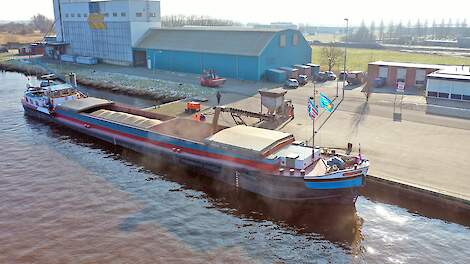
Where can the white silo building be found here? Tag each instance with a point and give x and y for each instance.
(105, 30)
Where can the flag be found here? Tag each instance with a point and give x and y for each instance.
(312, 109)
(326, 103)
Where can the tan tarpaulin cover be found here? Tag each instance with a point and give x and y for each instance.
(84, 104)
(248, 138)
(125, 118)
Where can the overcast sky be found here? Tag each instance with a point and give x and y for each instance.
(316, 12)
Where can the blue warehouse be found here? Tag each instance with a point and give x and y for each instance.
(243, 54)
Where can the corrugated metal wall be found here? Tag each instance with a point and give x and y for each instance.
(295, 51)
(230, 66)
(112, 43)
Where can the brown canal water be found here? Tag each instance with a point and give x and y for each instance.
(67, 198)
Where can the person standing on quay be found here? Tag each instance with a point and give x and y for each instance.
(219, 96)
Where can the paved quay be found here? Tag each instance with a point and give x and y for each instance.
(428, 152)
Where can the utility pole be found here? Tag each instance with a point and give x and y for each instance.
(345, 52)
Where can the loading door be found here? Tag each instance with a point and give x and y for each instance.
(420, 77)
(401, 74)
(383, 72)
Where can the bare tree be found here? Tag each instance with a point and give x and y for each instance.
(41, 23)
(372, 31)
(330, 55)
(181, 20)
(381, 30)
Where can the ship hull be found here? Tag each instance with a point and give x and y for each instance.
(265, 184)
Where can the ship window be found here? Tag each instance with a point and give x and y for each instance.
(456, 96)
(432, 94)
(466, 97)
(114, 14)
(106, 14)
(443, 95)
(72, 15)
(152, 14)
(85, 15)
(138, 14)
(67, 15)
(79, 15)
(123, 14)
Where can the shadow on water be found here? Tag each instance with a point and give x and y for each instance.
(338, 224)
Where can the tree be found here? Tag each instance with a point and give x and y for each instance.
(181, 20)
(330, 55)
(41, 23)
(418, 33)
(391, 30)
(372, 31)
(381, 30)
(442, 29)
(425, 29)
(434, 29)
(399, 30)
(362, 34)
(408, 30)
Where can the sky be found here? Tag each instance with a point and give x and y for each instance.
(315, 12)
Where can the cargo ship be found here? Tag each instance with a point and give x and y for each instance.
(266, 162)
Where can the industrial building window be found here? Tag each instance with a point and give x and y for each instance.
(295, 39)
(114, 14)
(123, 14)
(443, 95)
(282, 40)
(456, 96)
(383, 72)
(138, 14)
(432, 94)
(466, 97)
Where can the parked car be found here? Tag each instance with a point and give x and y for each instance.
(379, 82)
(330, 75)
(356, 78)
(342, 75)
(292, 83)
(302, 79)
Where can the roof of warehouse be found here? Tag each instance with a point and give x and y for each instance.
(452, 73)
(249, 138)
(220, 40)
(410, 65)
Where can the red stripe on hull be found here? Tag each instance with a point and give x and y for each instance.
(249, 163)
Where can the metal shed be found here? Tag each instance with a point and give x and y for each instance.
(239, 53)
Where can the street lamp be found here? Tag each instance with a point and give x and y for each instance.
(345, 52)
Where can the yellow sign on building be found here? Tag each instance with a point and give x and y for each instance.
(96, 21)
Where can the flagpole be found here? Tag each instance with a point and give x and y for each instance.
(313, 121)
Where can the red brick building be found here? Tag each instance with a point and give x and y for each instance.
(412, 74)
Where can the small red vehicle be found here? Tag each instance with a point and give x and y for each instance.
(210, 79)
